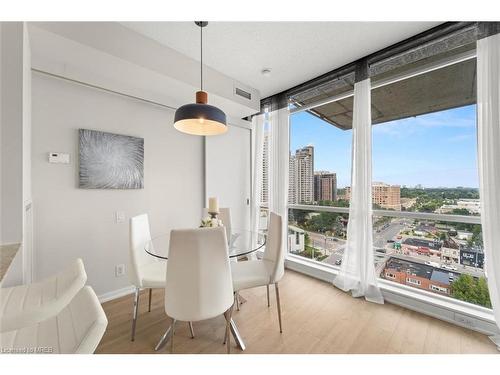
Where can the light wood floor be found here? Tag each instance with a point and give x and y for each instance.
(317, 318)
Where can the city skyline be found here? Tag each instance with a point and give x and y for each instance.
(433, 150)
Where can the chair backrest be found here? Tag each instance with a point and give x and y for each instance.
(77, 328)
(275, 251)
(29, 304)
(88, 323)
(199, 284)
(139, 236)
(225, 217)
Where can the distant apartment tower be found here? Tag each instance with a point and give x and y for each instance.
(292, 195)
(264, 197)
(301, 179)
(384, 195)
(325, 186)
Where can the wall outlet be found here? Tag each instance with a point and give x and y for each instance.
(464, 320)
(119, 217)
(120, 270)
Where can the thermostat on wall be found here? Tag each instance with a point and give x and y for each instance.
(58, 157)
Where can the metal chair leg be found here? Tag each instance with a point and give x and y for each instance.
(172, 337)
(268, 303)
(135, 310)
(191, 329)
(227, 339)
(163, 339)
(237, 300)
(279, 304)
(150, 292)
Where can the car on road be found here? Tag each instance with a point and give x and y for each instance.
(390, 241)
(433, 264)
(448, 267)
(338, 262)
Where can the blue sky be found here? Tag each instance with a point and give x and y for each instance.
(434, 150)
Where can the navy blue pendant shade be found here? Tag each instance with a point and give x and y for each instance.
(200, 118)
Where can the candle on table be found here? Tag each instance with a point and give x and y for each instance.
(213, 205)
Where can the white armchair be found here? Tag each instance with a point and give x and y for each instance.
(25, 305)
(76, 329)
(145, 271)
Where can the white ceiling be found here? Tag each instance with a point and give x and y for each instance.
(294, 51)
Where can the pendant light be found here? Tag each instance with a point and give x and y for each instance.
(200, 118)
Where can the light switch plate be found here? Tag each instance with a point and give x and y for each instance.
(119, 270)
(58, 158)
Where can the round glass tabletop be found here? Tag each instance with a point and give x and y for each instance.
(241, 242)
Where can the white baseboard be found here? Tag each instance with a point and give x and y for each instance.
(116, 294)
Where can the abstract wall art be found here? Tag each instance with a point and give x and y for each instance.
(110, 161)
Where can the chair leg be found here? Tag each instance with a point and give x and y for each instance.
(191, 329)
(135, 310)
(163, 339)
(237, 300)
(150, 292)
(279, 304)
(172, 337)
(227, 339)
(268, 303)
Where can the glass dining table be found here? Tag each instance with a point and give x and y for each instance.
(240, 243)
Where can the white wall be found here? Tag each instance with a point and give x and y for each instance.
(11, 84)
(70, 222)
(15, 148)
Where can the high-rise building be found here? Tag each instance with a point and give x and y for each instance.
(325, 186)
(302, 179)
(384, 195)
(292, 194)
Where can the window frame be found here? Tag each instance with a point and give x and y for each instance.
(407, 296)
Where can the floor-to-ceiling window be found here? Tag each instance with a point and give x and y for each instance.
(427, 231)
(426, 205)
(320, 172)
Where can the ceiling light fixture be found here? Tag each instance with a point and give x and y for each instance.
(266, 72)
(200, 118)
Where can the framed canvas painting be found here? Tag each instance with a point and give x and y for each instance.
(110, 161)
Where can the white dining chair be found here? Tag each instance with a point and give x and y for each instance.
(199, 284)
(145, 271)
(29, 304)
(76, 329)
(266, 271)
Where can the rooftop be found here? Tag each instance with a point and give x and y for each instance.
(421, 270)
(422, 243)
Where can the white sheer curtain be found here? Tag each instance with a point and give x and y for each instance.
(258, 153)
(488, 115)
(357, 273)
(278, 172)
(276, 123)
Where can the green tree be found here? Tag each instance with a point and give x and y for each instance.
(307, 239)
(470, 289)
(460, 211)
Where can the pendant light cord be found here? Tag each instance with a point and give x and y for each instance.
(201, 59)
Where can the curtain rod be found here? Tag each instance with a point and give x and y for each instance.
(232, 123)
(102, 88)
